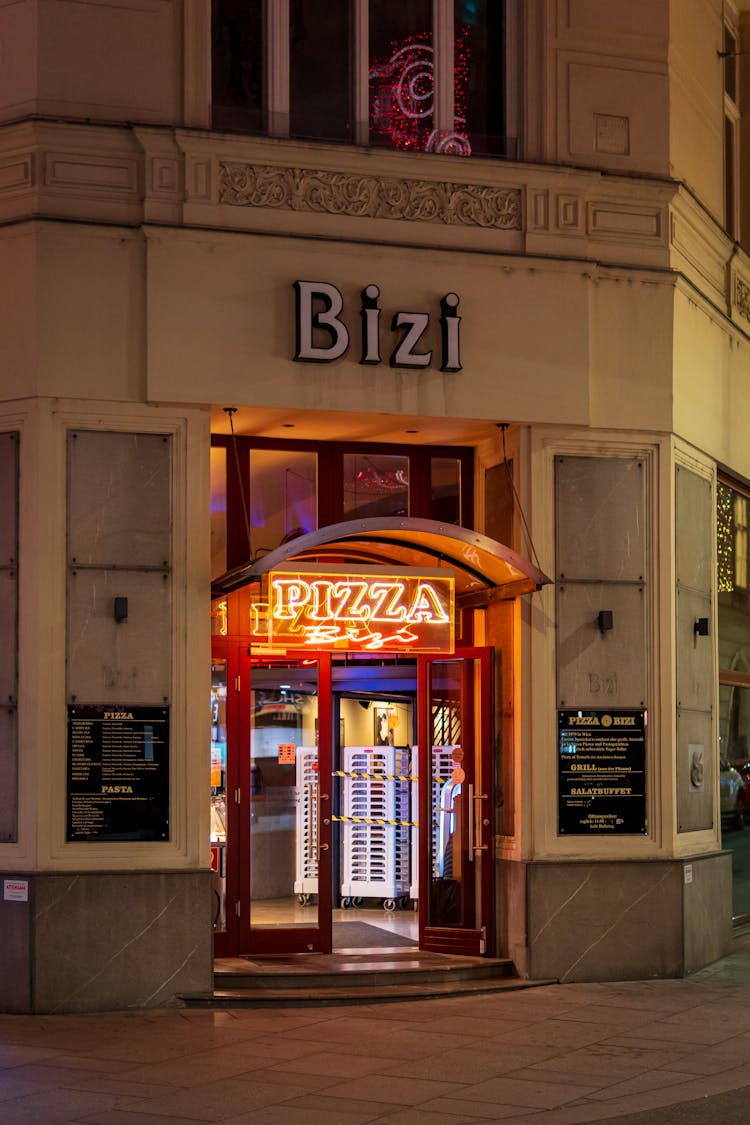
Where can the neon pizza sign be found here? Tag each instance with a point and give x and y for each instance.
(340, 610)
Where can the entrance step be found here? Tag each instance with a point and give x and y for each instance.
(309, 980)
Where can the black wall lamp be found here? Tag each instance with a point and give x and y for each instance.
(605, 621)
(121, 610)
(701, 627)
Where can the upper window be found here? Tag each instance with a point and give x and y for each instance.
(419, 75)
(731, 132)
(265, 493)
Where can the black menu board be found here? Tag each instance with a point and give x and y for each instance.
(118, 773)
(601, 772)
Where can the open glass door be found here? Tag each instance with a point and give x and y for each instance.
(285, 740)
(455, 804)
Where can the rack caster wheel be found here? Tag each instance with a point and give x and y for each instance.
(389, 904)
(303, 900)
(346, 903)
(357, 901)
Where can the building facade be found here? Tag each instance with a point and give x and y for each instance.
(315, 301)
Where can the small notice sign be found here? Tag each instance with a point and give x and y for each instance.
(16, 890)
(287, 753)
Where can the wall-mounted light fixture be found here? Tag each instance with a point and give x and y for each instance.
(121, 610)
(701, 627)
(605, 621)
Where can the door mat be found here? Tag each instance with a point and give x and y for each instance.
(361, 935)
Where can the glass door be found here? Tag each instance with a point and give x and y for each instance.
(455, 804)
(285, 765)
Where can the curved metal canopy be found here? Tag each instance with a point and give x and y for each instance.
(484, 569)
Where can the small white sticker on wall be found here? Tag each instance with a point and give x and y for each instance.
(16, 890)
(687, 871)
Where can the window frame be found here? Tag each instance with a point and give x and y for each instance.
(277, 64)
(330, 479)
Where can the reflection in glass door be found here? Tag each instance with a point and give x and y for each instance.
(289, 839)
(219, 793)
(455, 804)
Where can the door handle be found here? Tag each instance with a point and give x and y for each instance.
(475, 807)
(323, 847)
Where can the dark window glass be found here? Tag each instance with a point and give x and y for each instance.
(237, 65)
(320, 77)
(445, 489)
(730, 64)
(729, 176)
(479, 76)
(402, 76)
(375, 485)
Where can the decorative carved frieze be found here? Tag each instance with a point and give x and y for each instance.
(338, 193)
(742, 298)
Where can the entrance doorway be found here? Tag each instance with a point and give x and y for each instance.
(351, 802)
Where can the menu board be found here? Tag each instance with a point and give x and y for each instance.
(118, 773)
(601, 772)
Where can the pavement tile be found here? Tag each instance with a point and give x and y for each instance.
(323, 1102)
(560, 1033)
(532, 1094)
(639, 1083)
(54, 1107)
(476, 1111)
(602, 1014)
(668, 1034)
(216, 1100)
(18, 1055)
(295, 1115)
(402, 1091)
(127, 1117)
(614, 1061)
(466, 1064)
(337, 1065)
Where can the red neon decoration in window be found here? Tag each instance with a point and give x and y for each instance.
(402, 96)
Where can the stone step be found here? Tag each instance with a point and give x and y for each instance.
(309, 993)
(371, 973)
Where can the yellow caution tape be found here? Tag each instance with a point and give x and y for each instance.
(376, 820)
(382, 776)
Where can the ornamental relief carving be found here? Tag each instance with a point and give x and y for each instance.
(742, 298)
(338, 193)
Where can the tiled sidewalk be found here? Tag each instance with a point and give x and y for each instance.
(560, 1054)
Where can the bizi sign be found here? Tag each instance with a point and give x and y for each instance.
(322, 335)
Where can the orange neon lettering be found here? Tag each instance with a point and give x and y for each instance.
(426, 605)
(292, 595)
(354, 591)
(394, 610)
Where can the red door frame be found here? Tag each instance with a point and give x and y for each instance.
(297, 939)
(476, 733)
(226, 942)
(240, 938)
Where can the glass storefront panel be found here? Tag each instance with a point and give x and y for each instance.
(734, 686)
(375, 485)
(237, 96)
(448, 798)
(320, 79)
(283, 497)
(219, 791)
(283, 794)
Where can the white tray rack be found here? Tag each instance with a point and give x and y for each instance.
(442, 767)
(306, 845)
(375, 856)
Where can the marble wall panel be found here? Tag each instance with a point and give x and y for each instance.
(15, 954)
(605, 921)
(112, 941)
(707, 908)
